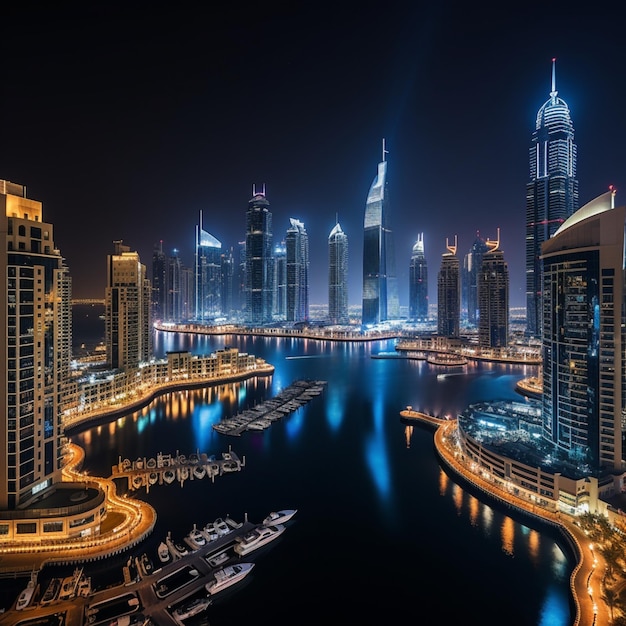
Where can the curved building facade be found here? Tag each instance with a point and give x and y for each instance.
(583, 343)
(380, 288)
(338, 276)
(551, 193)
(418, 282)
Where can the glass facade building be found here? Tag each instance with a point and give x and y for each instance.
(418, 282)
(297, 267)
(259, 269)
(380, 289)
(207, 275)
(338, 276)
(583, 343)
(449, 293)
(551, 193)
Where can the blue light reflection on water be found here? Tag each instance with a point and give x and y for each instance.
(370, 493)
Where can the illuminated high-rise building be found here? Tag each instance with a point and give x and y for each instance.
(449, 293)
(159, 281)
(280, 282)
(469, 284)
(127, 324)
(380, 289)
(583, 339)
(338, 276)
(174, 285)
(297, 265)
(493, 298)
(208, 275)
(35, 344)
(551, 194)
(259, 260)
(418, 282)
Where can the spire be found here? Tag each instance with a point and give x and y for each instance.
(384, 150)
(554, 92)
(452, 248)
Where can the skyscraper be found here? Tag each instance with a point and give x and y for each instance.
(173, 298)
(493, 297)
(279, 306)
(35, 344)
(208, 274)
(380, 289)
(338, 276)
(471, 270)
(128, 329)
(259, 265)
(551, 194)
(449, 293)
(159, 281)
(418, 282)
(297, 265)
(583, 340)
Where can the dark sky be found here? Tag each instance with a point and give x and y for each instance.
(126, 124)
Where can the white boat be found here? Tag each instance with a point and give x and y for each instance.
(189, 609)
(221, 527)
(218, 559)
(177, 549)
(70, 584)
(228, 576)
(279, 517)
(257, 537)
(196, 538)
(26, 595)
(164, 553)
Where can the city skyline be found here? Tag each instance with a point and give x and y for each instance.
(170, 120)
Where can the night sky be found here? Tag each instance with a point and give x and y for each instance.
(126, 124)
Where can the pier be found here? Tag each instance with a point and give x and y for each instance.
(262, 415)
(165, 469)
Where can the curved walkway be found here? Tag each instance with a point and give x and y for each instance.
(586, 579)
(127, 523)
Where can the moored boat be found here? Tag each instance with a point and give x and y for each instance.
(279, 517)
(257, 537)
(164, 553)
(23, 600)
(196, 538)
(228, 576)
(191, 608)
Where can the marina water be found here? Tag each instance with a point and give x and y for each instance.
(382, 532)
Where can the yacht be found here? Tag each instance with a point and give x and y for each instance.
(257, 537)
(191, 608)
(228, 576)
(279, 517)
(196, 538)
(164, 553)
(27, 594)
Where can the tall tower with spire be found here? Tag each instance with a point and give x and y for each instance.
(551, 193)
(338, 276)
(380, 288)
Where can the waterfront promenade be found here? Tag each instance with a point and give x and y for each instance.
(588, 575)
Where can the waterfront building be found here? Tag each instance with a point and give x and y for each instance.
(493, 298)
(418, 282)
(469, 283)
(551, 193)
(583, 343)
(279, 300)
(187, 293)
(380, 289)
(338, 276)
(128, 328)
(36, 348)
(159, 281)
(449, 293)
(259, 260)
(208, 275)
(297, 266)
